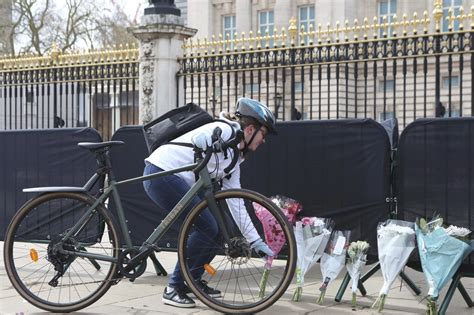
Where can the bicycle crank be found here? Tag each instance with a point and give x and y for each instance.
(130, 272)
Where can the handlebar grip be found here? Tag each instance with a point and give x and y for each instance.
(204, 161)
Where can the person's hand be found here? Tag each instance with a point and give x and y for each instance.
(202, 140)
(261, 248)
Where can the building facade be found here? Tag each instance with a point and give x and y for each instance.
(379, 86)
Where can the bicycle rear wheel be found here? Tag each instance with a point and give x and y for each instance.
(47, 278)
(239, 274)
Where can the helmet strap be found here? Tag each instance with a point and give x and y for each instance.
(247, 144)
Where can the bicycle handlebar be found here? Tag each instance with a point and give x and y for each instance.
(219, 145)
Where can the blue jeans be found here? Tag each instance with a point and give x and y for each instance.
(166, 191)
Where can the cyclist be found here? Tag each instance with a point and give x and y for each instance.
(256, 121)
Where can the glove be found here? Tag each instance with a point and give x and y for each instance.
(261, 248)
(202, 140)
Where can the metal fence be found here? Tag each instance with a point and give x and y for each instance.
(379, 70)
(97, 89)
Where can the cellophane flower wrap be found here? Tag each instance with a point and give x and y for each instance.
(333, 259)
(395, 241)
(357, 257)
(441, 253)
(274, 236)
(312, 235)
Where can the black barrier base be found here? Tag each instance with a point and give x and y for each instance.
(366, 276)
(456, 283)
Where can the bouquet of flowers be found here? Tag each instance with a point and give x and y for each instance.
(312, 235)
(357, 253)
(396, 241)
(333, 259)
(441, 253)
(274, 236)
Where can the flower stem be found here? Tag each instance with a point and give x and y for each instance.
(320, 300)
(354, 299)
(432, 306)
(380, 302)
(263, 283)
(297, 294)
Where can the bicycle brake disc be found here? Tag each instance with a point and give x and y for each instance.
(123, 261)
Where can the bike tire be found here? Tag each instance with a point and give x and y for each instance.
(30, 260)
(238, 278)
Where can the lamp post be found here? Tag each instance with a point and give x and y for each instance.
(162, 7)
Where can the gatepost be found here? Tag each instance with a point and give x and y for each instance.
(161, 34)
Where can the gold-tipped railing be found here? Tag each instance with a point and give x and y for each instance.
(57, 59)
(341, 33)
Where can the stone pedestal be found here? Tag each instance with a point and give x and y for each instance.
(161, 38)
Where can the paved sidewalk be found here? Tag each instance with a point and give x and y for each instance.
(143, 297)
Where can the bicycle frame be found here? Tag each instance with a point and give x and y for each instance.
(203, 183)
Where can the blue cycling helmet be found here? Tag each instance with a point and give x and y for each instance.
(247, 107)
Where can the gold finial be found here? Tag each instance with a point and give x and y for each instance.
(242, 41)
(292, 30)
(385, 26)
(394, 26)
(328, 32)
(375, 26)
(404, 24)
(356, 29)
(311, 34)
(338, 31)
(283, 37)
(438, 14)
(461, 18)
(302, 35)
(472, 17)
(366, 27)
(346, 30)
(318, 33)
(221, 43)
(250, 40)
(415, 23)
(426, 22)
(450, 19)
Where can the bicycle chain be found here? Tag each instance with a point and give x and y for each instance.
(117, 280)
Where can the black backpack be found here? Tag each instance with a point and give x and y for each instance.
(175, 123)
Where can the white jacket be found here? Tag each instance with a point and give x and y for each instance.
(170, 156)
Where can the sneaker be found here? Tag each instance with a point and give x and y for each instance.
(178, 297)
(214, 293)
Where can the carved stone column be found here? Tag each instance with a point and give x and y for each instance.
(161, 37)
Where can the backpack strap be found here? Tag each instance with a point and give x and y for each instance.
(190, 145)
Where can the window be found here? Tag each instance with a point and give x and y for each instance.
(29, 96)
(386, 115)
(387, 8)
(101, 100)
(386, 85)
(266, 26)
(251, 88)
(298, 87)
(228, 30)
(454, 81)
(306, 18)
(454, 5)
(128, 98)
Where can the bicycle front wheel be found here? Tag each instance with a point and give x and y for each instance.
(35, 258)
(241, 281)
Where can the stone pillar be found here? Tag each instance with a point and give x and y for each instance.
(243, 16)
(161, 38)
(202, 21)
(282, 14)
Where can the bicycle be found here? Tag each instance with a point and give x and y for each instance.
(63, 248)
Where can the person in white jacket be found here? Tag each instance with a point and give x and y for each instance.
(256, 121)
